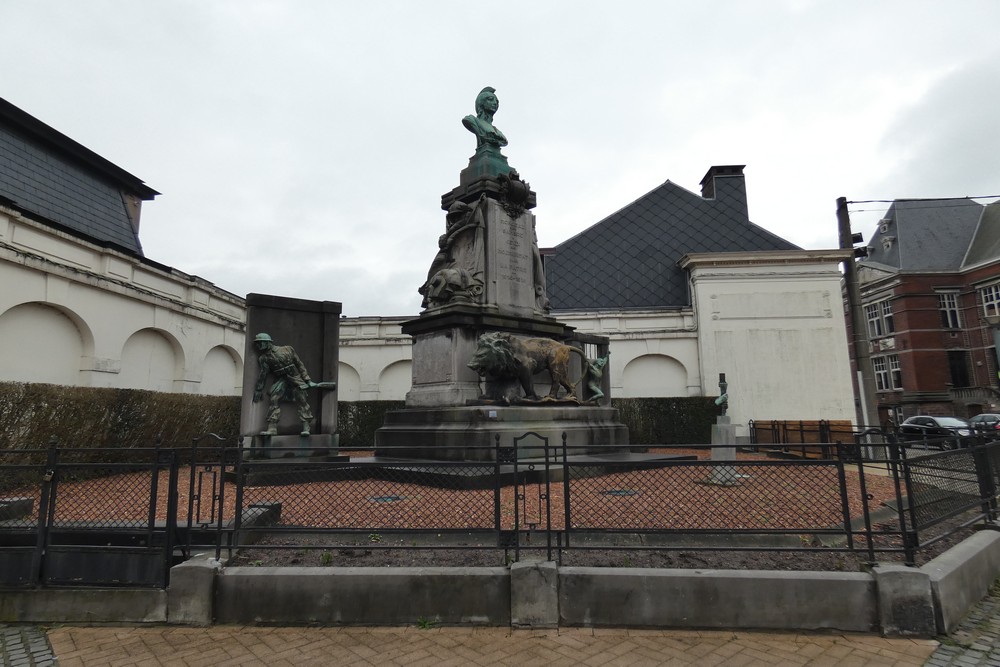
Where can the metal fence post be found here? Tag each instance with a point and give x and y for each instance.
(845, 504)
(908, 529)
(567, 518)
(984, 477)
(171, 532)
(865, 507)
(46, 506)
(497, 517)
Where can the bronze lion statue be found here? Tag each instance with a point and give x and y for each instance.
(505, 356)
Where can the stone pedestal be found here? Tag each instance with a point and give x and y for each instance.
(292, 446)
(444, 341)
(724, 449)
(469, 433)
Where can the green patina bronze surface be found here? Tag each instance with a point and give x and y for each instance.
(488, 161)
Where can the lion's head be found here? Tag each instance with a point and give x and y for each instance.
(494, 356)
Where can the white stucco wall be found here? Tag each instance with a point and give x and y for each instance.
(774, 324)
(375, 359)
(74, 313)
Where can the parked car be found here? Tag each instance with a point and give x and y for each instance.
(944, 432)
(986, 421)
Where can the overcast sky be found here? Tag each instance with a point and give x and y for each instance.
(302, 146)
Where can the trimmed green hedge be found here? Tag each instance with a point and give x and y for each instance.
(668, 421)
(357, 421)
(31, 414)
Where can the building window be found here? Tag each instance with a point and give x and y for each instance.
(895, 373)
(958, 364)
(879, 316)
(991, 300)
(890, 327)
(950, 314)
(881, 373)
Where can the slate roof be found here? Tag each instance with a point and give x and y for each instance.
(985, 245)
(55, 180)
(925, 234)
(629, 259)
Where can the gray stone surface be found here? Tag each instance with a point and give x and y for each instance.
(24, 646)
(975, 641)
(440, 374)
(364, 596)
(534, 595)
(905, 602)
(730, 599)
(962, 575)
(92, 605)
(191, 594)
(468, 433)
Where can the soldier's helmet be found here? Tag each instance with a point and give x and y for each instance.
(262, 337)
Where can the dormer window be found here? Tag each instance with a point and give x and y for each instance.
(887, 242)
(883, 225)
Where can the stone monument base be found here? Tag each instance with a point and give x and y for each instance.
(469, 433)
(293, 446)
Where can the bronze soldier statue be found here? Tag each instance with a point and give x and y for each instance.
(291, 380)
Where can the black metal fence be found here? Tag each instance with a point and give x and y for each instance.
(71, 517)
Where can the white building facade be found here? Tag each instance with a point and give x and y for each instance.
(80, 304)
(74, 313)
(773, 322)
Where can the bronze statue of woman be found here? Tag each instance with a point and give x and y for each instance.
(481, 124)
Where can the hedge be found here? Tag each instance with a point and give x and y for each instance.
(668, 421)
(358, 420)
(31, 414)
(78, 417)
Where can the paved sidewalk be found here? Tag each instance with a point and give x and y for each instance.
(24, 646)
(975, 643)
(224, 646)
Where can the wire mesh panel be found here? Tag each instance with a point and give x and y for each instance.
(373, 496)
(942, 485)
(761, 496)
(117, 494)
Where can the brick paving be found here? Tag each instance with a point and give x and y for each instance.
(225, 646)
(976, 642)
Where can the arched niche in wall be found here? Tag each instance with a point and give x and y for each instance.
(348, 383)
(653, 375)
(222, 372)
(395, 380)
(42, 343)
(151, 359)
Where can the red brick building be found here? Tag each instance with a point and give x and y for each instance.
(930, 289)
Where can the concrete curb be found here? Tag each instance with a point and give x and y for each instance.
(893, 599)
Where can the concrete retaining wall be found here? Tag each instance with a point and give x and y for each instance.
(363, 595)
(639, 597)
(961, 576)
(893, 599)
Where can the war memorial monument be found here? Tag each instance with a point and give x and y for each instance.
(488, 358)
